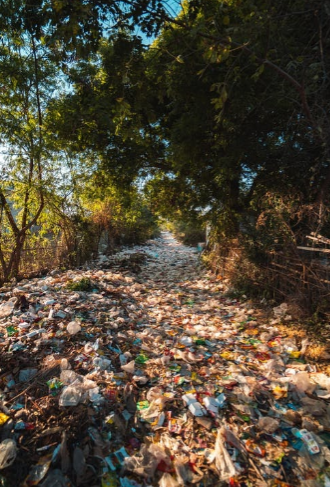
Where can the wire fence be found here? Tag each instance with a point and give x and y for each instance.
(39, 259)
(306, 278)
(300, 275)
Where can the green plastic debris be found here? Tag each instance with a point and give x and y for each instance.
(142, 405)
(141, 359)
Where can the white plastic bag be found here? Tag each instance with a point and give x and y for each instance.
(168, 481)
(71, 396)
(129, 368)
(223, 462)
(8, 452)
(268, 424)
(303, 383)
(73, 327)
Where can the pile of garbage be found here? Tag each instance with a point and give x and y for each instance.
(151, 376)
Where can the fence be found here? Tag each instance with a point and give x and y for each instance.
(305, 278)
(300, 274)
(38, 259)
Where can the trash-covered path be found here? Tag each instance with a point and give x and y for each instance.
(139, 371)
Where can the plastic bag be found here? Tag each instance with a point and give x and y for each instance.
(181, 470)
(154, 393)
(55, 478)
(233, 440)
(143, 463)
(79, 463)
(268, 424)
(71, 396)
(168, 481)
(314, 407)
(281, 310)
(8, 452)
(65, 364)
(102, 363)
(27, 374)
(130, 367)
(304, 345)
(322, 380)
(68, 376)
(303, 383)
(223, 462)
(73, 327)
(6, 309)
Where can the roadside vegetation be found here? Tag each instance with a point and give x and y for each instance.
(206, 113)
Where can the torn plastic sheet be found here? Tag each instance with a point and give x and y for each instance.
(223, 462)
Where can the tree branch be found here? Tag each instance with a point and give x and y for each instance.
(8, 212)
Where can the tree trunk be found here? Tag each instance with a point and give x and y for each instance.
(12, 269)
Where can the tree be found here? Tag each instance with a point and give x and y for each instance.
(108, 112)
(27, 78)
(244, 89)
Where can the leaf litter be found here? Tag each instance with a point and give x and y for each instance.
(138, 370)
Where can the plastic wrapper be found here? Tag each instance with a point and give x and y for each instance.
(38, 471)
(55, 478)
(211, 404)
(308, 438)
(193, 405)
(150, 413)
(144, 463)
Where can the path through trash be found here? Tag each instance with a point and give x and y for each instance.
(139, 371)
